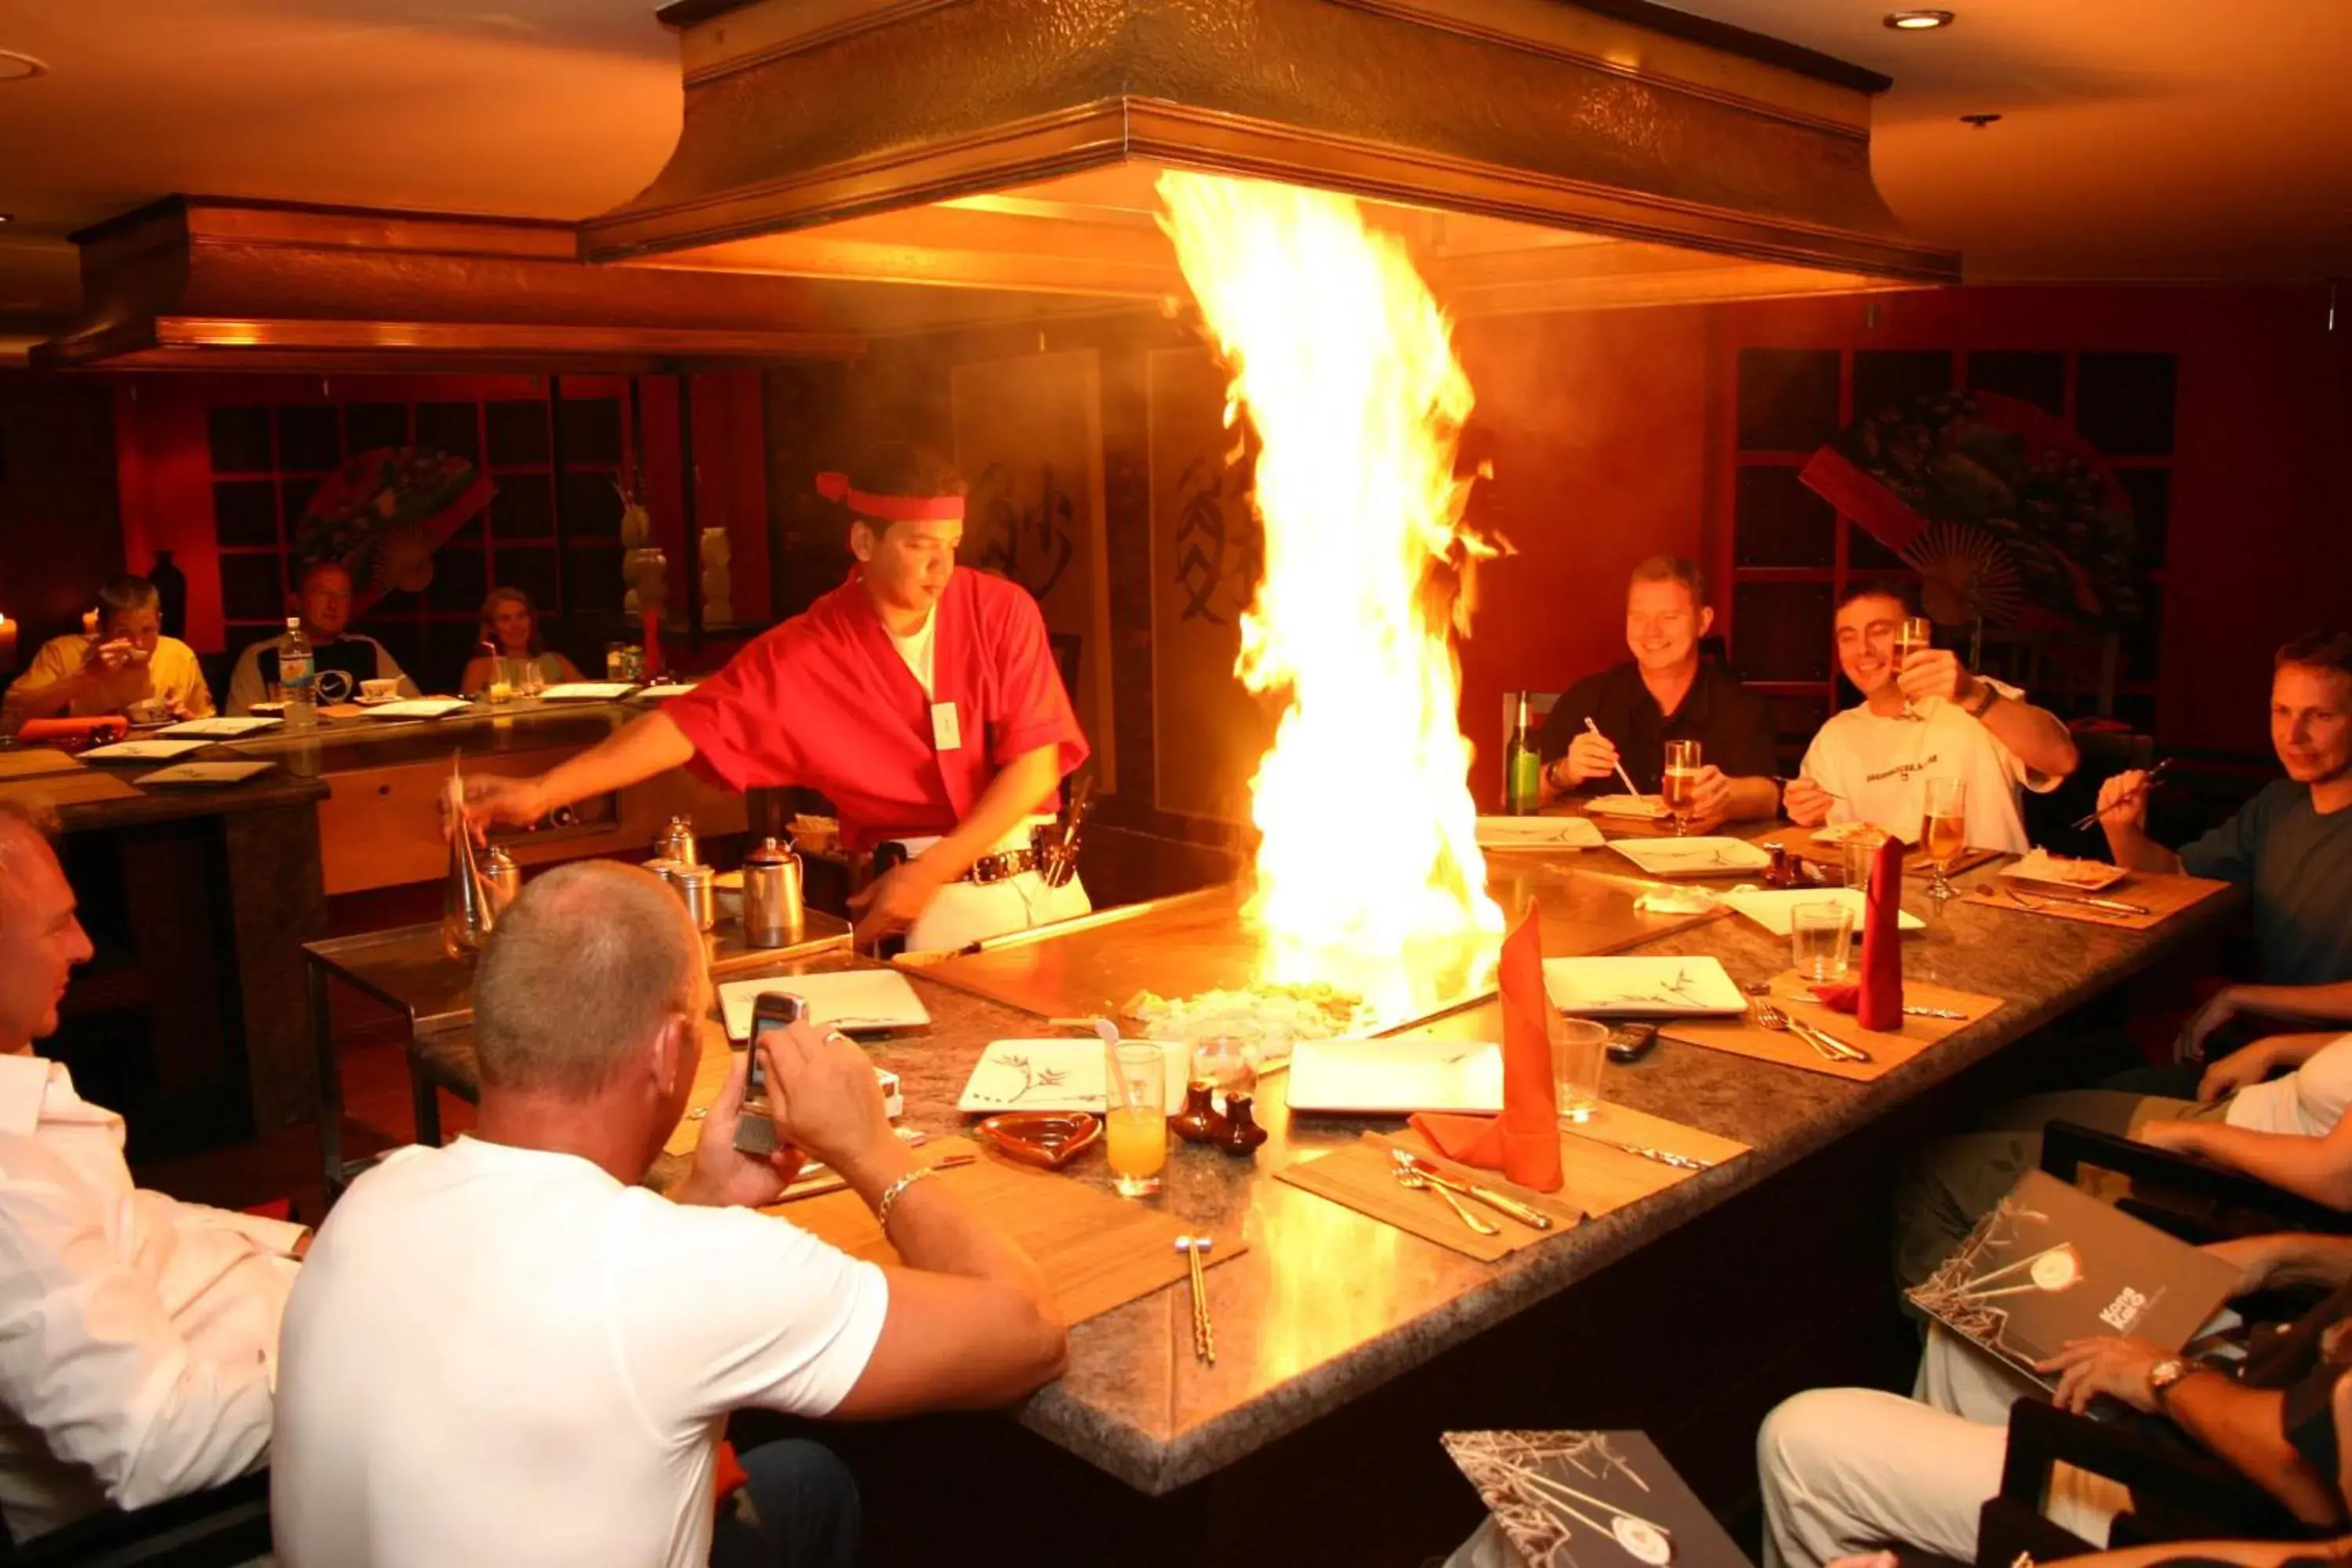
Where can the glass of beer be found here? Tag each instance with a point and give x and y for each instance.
(1135, 1117)
(1945, 832)
(1915, 635)
(1680, 782)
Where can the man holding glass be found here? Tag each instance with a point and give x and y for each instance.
(1627, 715)
(1923, 715)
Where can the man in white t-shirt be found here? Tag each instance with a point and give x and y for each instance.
(138, 1334)
(1928, 719)
(502, 1352)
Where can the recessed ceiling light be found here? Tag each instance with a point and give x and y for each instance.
(15, 67)
(1918, 21)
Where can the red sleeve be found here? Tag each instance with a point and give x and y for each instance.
(739, 719)
(1036, 709)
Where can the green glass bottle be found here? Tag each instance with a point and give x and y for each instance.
(1522, 767)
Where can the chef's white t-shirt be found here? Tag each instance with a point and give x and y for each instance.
(1878, 768)
(498, 1355)
(2309, 1100)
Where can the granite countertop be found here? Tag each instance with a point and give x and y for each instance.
(343, 745)
(1328, 1304)
(173, 803)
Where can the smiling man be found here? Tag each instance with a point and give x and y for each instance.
(1664, 692)
(921, 699)
(323, 599)
(1927, 717)
(2292, 845)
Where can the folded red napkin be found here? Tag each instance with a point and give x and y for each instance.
(1838, 998)
(101, 727)
(1878, 1004)
(1524, 1141)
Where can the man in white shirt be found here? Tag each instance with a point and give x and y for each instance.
(138, 1335)
(501, 1351)
(323, 599)
(1928, 719)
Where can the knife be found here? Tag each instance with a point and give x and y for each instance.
(1850, 1052)
(2112, 906)
(1935, 1013)
(1492, 1199)
(1663, 1156)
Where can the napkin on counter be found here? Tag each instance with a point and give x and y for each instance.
(1878, 1002)
(102, 727)
(1524, 1141)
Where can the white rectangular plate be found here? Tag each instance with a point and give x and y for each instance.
(853, 1001)
(1693, 856)
(587, 691)
(1636, 987)
(2045, 870)
(420, 708)
(200, 776)
(1068, 1073)
(1537, 833)
(220, 729)
(143, 751)
(667, 691)
(1395, 1077)
(1772, 910)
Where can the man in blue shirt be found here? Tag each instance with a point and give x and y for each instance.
(2291, 847)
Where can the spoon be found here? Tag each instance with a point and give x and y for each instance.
(1408, 1177)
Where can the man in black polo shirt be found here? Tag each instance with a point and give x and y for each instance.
(323, 599)
(1664, 693)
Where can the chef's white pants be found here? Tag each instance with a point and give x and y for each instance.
(964, 913)
(1845, 1471)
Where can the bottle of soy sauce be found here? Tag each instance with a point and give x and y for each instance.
(1522, 767)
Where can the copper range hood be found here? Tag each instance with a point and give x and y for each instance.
(1536, 154)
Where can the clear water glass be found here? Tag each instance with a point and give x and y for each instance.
(1578, 1047)
(1821, 941)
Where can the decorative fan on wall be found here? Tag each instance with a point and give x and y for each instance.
(2009, 517)
(384, 513)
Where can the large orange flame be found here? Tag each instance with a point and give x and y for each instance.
(1346, 367)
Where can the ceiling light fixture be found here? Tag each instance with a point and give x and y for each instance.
(1918, 21)
(15, 67)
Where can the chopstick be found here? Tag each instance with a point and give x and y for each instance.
(1801, 779)
(1623, 776)
(2146, 784)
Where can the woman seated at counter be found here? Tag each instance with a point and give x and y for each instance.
(126, 667)
(510, 625)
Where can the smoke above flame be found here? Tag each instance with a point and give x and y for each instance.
(1345, 366)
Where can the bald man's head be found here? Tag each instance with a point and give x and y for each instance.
(41, 939)
(580, 975)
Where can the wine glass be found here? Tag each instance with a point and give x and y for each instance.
(1915, 635)
(1946, 832)
(1679, 783)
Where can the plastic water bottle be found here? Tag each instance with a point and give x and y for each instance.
(298, 674)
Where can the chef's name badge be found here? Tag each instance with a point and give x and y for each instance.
(947, 730)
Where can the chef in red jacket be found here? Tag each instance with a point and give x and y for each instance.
(922, 701)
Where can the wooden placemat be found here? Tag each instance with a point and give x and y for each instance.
(26, 762)
(1096, 1251)
(1600, 1179)
(2165, 896)
(1362, 1177)
(68, 789)
(1888, 1050)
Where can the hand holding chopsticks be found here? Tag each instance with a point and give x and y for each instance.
(2123, 799)
(1623, 777)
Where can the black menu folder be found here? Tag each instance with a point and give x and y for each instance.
(2050, 1264)
(1590, 1500)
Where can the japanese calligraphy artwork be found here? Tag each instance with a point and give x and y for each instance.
(1028, 440)
(1208, 732)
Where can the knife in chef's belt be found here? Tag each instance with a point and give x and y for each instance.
(1059, 853)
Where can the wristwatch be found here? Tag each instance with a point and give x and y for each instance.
(2164, 1374)
(1987, 695)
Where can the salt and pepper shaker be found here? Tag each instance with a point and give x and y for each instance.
(1199, 1122)
(677, 842)
(1242, 1134)
(502, 878)
(1781, 874)
(698, 885)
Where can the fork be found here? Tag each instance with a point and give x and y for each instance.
(1829, 1046)
(1408, 1177)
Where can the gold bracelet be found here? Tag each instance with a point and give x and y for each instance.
(890, 1195)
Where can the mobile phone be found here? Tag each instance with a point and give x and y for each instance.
(1632, 1042)
(755, 1130)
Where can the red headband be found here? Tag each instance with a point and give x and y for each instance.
(890, 509)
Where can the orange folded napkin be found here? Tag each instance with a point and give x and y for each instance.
(1878, 1004)
(101, 727)
(1524, 1141)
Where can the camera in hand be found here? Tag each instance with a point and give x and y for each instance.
(755, 1129)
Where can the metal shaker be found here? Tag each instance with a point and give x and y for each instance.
(698, 886)
(501, 877)
(677, 842)
(773, 915)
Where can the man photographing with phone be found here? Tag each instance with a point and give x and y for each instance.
(508, 1351)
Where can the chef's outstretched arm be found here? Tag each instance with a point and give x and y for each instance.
(635, 752)
(890, 904)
